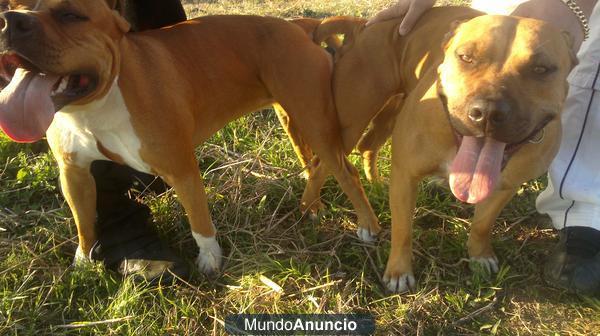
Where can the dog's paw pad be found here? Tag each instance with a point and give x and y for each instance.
(488, 264)
(400, 284)
(366, 236)
(209, 255)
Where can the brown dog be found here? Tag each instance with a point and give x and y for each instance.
(476, 98)
(147, 99)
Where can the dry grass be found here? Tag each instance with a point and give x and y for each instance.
(253, 182)
(283, 8)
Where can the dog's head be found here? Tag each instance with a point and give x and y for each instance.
(501, 81)
(54, 53)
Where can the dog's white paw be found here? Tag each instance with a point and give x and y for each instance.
(80, 257)
(366, 235)
(489, 264)
(400, 284)
(209, 254)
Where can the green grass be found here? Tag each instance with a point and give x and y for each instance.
(254, 184)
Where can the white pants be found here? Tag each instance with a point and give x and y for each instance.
(573, 194)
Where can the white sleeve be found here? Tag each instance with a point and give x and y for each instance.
(500, 7)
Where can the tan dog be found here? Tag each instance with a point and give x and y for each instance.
(476, 98)
(147, 99)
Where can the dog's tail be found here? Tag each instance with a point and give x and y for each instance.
(339, 25)
(311, 27)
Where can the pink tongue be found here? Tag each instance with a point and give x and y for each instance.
(476, 169)
(26, 109)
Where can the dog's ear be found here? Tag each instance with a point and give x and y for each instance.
(123, 25)
(450, 34)
(570, 41)
(118, 9)
(118, 5)
(112, 4)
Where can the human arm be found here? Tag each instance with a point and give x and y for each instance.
(557, 13)
(411, 10)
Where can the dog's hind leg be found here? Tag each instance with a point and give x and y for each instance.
(311, 198)
(301, 148)
(304, 90)
(377, 134)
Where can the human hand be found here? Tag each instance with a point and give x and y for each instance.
(411, 10)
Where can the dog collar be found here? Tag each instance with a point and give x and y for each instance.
(539, 137)
(574, 7)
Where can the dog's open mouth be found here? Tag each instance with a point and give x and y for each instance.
(31, 97)
(476, 169)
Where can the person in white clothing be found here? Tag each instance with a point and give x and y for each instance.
(572, 199)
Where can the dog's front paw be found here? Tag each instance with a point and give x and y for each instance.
(209, 262)
(209, 254)
(368, 230)
(399, 283)
(81, 258)
(488, 264)
(366, 235)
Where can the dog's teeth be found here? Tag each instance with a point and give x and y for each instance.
(63, 85)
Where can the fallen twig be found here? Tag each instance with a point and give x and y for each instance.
(477, 312)
(75, 325)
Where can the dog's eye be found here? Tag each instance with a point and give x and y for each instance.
(543, 70)
(67, 16)
(72, 17)
(466, 58)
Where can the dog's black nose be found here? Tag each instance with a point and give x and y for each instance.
(489, 111)
(17, 25)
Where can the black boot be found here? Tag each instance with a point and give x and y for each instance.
(575, 261)
(127, 242)
(152, 14)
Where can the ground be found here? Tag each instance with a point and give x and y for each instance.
(254, 184)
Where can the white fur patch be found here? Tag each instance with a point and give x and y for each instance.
(401, 284)
(209, 254)
(490, 264)
(366, 235)
(80, 257)
(107, 121)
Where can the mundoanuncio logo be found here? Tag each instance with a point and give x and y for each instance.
(312, 324)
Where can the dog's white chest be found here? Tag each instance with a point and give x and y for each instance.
(92, 131)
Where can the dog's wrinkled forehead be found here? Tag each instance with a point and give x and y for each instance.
(73, 17)
(41, 5)
(501, 38)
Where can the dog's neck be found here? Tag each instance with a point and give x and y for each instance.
(94, 108)
(101, 129)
